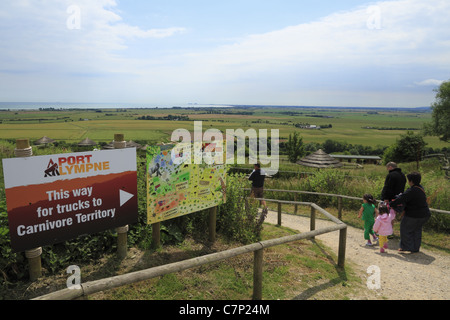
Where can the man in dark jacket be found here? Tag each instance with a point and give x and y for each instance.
(257, 178)
(394, 184)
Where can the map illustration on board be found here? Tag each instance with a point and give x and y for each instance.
(175, 189)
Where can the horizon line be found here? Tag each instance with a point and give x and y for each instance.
(201, 105)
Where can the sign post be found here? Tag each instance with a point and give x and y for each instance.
(122, 246)
(55, 198)
(23, 149)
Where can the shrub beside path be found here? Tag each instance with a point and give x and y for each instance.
(412, 276)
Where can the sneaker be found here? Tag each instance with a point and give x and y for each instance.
(382, 250)
(375, 238)
(385, 245)
(368, 243)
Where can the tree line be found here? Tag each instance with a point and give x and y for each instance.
(168, 117)
(408, 148)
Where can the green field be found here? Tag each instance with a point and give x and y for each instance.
(347, 125)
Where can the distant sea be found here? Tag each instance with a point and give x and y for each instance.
(65, 105)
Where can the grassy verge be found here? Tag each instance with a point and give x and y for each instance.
(300, 270)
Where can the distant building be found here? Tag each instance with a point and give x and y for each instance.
(308, 126)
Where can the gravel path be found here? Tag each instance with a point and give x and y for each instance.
(414, 276)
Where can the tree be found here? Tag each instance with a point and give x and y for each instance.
(440, 123)
(408, 148)
(330, 146)
(294, 147)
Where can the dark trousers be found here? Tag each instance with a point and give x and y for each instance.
(411, 233)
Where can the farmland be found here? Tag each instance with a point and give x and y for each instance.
(368, 127)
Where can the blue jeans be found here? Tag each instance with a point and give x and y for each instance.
(411, 233)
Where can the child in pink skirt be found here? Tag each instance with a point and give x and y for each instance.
(383, 225)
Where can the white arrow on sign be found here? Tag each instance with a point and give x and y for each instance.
(124, 197)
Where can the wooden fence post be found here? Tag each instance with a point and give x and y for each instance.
(257, 274)
(296, 205)
(340, 208)
(312, 222)
(279, 213)
(23, 149)
(212, 224)
(122, 246)
(342, 245)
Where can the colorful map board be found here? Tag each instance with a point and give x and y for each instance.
(177, 189)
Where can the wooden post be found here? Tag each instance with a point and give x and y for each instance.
(156, 235)
(212, 224)
(122, 238)
(257, 274)
(122, 241)
(342, 245)
(312, 222)
(296, 205)
(23, 149)
(340, 208)
(279, 213)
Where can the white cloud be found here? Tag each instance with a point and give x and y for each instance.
(338, 53)
(37, 35)
(409, 35)
(429, 82)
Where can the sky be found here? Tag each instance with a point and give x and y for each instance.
(247, 52)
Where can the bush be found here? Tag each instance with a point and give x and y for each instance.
(12, 265)
(237, 218)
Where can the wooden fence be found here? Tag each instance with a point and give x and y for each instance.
(92, 287)
(338, 196)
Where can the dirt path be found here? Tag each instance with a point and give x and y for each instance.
(419, 276)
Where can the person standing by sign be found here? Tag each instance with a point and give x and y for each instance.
(257, 178)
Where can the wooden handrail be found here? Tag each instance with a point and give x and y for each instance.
(334, 195)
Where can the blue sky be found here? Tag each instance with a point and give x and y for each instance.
(315, 53)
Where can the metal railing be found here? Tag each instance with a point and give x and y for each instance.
(89, 288)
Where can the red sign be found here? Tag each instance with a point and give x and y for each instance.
(55, 198)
